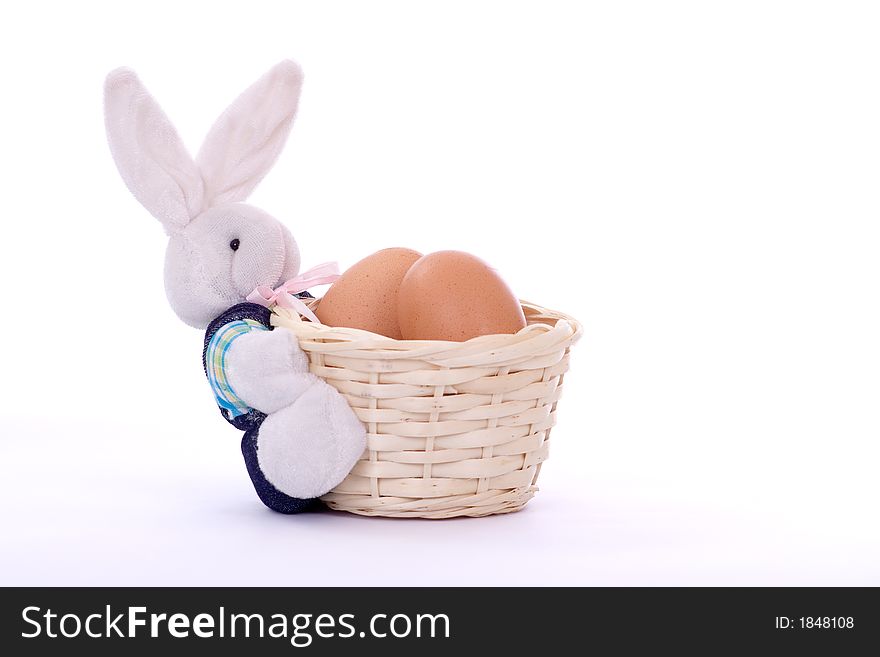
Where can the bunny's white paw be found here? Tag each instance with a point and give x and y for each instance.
(267, 369)
(307, 448)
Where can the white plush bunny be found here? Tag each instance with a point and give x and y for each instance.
(302, 438)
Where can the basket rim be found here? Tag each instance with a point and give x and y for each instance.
(341, 334)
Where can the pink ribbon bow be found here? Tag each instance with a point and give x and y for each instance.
(283, 295)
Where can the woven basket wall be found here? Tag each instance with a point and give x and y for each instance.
(454, 428)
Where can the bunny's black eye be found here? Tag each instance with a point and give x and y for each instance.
(234, 244)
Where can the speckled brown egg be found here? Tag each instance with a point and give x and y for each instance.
(451, 295)
(365, 296)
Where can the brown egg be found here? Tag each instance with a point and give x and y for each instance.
(451, 295)
(365, 296)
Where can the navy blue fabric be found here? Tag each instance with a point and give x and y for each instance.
(251, 421)
(268, 494)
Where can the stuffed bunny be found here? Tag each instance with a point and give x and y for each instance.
(301, 437)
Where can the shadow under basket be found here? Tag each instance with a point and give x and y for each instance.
(453, 428)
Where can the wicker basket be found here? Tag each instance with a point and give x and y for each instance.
(454, 428)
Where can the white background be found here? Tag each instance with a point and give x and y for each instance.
(697, 182)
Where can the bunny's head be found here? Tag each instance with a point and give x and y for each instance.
(220, 248)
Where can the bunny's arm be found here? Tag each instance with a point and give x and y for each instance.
(250, 367)
(267, 369)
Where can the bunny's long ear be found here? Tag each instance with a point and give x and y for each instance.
(148, 152)
(247, 138)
